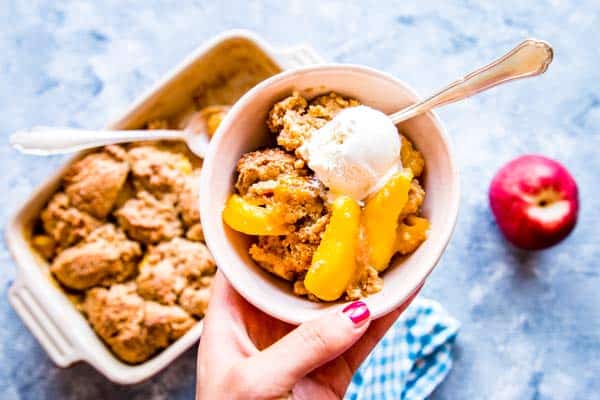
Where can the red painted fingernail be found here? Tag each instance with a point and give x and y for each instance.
(358, 312)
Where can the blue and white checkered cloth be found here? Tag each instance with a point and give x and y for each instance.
(413, 357)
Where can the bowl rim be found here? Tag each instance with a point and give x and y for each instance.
(264, 303)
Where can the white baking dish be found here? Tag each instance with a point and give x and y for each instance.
(234, 61)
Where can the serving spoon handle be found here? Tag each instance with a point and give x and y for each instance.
(47, 141)
(530, 58)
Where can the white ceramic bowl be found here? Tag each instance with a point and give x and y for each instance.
(244, 130)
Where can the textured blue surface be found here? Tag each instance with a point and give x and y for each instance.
(530, 321)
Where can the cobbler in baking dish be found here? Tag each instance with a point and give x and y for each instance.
(123, 238)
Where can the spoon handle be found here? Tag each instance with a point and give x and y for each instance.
(529, 58)
(47, 141)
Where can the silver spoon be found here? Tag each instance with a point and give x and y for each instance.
(530, 58)
(47, 140)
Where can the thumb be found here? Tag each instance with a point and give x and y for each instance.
(309, 346)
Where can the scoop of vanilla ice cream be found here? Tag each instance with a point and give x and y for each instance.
(355, 152)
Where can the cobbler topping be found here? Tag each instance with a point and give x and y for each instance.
(123, 233)
(277, 185)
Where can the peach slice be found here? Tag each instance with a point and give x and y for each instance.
(334, 262)
(380, 218)
(410, 234)
(243, 216)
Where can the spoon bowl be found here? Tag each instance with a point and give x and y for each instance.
(201, 126)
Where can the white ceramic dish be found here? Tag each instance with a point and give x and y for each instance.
(244, 130)
(222, 70)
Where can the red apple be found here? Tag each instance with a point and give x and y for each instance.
(535, 201)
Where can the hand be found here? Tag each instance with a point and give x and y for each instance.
(246, 354)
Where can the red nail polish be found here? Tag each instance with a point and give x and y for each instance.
(358, 312)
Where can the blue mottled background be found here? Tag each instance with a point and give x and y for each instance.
(531, 321)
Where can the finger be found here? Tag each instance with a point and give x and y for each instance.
(357, 354)
(224, 331)
(339, 371)
(226, 304)
(223, 296)
(307, 347)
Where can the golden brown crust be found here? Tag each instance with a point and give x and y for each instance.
(148, 219)
(263, 165)
(188, 199)
(194, 299)
(328, 105)
(117, 316)
(411, 158)
(298, 197)
(195, 233)
(295, 103)
(177, 272)
(367, 282)
(290, 256)
(64, 223)
(296, 128)
(284, 256)
(92, 183)
(192, 258)
(293, 119)
(133, 328)
(159, 282)
(126, 193)
(106, 256)
(166, 324)
(156, 169)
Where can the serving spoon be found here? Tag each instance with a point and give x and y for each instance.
(43, 141)
(530, 58)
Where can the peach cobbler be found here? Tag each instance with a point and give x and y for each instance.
(123, 239)
(333, 201)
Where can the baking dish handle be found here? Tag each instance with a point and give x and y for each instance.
(33, 313)
(298, 56)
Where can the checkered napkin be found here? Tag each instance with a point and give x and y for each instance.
(411, 359)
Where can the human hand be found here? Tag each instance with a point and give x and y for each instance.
(247, 354)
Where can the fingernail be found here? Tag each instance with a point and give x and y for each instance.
(358, 312)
